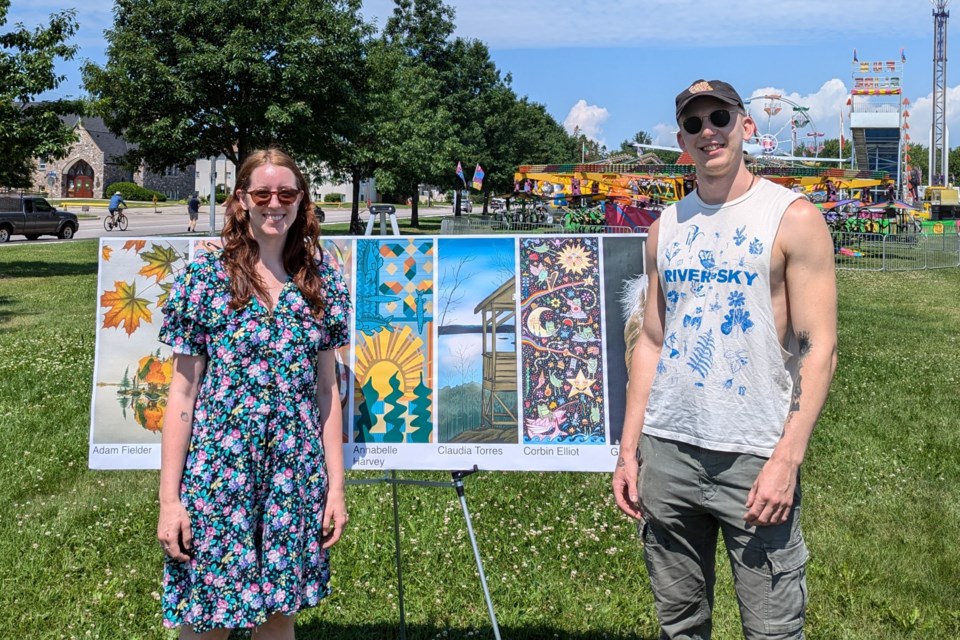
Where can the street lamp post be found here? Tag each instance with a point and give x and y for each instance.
(213, 194)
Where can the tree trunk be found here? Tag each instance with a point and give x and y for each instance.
(356, 227)
(415, 208)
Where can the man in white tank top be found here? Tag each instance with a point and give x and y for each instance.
(729, 376)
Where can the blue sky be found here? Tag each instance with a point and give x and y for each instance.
(613, 67)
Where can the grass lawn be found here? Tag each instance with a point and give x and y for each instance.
(78, 557)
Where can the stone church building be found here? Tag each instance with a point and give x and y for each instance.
(93, 164)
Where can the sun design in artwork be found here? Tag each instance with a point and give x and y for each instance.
(574, 258)
(389, 353)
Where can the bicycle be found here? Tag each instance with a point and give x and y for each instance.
(116, 219)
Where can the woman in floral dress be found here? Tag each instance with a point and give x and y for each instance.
(251, 479)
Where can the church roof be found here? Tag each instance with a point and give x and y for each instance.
(112, 145)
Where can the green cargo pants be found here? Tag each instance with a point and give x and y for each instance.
(688, 494)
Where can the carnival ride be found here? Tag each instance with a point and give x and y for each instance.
(631, 195)
(783, 125)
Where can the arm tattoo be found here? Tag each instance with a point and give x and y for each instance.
(804, 339)
(184, 416)
(621, 462)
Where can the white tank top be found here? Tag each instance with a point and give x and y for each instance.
(723, 381)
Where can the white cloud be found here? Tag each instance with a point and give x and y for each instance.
(921, 118)
(664, 134)
(589, 118)
(772, 108)
(823, 109)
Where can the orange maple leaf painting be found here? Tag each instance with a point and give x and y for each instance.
(124, 308)
(107, 250)
(136, 245)
(159, 262)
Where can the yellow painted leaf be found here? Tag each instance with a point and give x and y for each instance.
(165, 293)
(124, 308)
(107, 250)
(160, 261)
(136, 245)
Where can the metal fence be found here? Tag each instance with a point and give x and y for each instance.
(896, 252)
(465, 225)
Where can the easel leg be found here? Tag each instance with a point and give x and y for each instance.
(458, 477)
(396, 542)
(457, 484)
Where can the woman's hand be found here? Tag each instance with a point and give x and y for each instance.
(334, 517)
(174, 532)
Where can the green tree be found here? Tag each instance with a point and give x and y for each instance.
(196, 78)
(920, 157)
(953, 158)
(589, 150)
(520, 132)
(395, 416)
(415, 130)
(463, 110)
(420, 410)
(423, 150)
(29, 129)
(365, 418)
(422, 28)
(831, 149)
(640, 137)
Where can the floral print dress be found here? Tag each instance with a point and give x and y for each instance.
(255, 480)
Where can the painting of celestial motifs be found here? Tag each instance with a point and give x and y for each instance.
(338, 252)
(393, 357)
(133, 370)
(561, 351)
(622, 266)
(477, 398)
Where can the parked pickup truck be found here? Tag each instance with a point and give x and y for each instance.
(33, 216)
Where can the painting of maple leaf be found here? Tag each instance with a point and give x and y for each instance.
(135, 245)
(124, 308)
(105, 253)
(159, 261)
(165, 293)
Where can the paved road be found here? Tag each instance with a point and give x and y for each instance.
(171, 221)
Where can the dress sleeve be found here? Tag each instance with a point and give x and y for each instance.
(182, 328)
(336, 316)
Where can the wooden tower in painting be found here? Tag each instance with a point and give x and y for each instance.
(499, 394)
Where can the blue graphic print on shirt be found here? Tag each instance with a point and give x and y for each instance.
(695, 269)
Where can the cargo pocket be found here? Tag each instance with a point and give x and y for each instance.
(786, 600)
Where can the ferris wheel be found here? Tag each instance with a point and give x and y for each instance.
(784, 127)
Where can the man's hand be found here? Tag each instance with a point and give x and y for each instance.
(625, 485)
(771, 498)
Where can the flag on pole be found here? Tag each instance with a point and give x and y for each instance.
(478, 178)
(460, 173)
(841, 133)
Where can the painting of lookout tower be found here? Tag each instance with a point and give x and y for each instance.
(477, 342)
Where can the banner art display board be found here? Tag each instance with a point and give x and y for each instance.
(501, 352)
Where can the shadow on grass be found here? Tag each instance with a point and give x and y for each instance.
(44, 269)
(6, 309)
(317, 630)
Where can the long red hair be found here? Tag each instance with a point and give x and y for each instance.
(300, 251)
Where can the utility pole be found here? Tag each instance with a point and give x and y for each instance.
(939, 151)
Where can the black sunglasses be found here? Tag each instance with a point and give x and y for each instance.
(719, 118)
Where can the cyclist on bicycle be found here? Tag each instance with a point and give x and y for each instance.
(115, 203)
